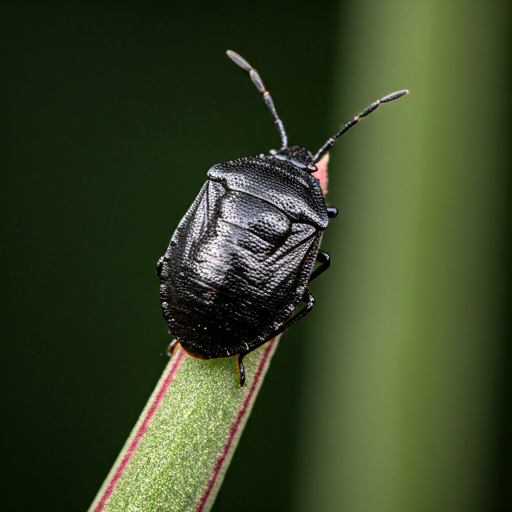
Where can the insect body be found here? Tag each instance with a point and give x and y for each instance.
(242, 257)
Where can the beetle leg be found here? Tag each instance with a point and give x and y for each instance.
(159, 265)
(173, 346)
(309, 300)
(332, 212)
(241, 369)
(325, 262)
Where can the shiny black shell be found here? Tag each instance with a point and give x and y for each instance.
(240, 260)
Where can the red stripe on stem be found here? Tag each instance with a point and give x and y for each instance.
(236, 425)
(140, 433)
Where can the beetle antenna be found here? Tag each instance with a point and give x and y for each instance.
(258, 82)
(368, 110)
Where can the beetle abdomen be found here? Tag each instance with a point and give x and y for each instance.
(236, 268)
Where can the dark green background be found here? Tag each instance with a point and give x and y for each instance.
(111, 113)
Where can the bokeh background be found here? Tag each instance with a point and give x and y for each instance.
(395, 393)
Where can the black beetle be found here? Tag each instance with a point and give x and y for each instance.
(241, 259)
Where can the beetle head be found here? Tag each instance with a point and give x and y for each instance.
(296, 155)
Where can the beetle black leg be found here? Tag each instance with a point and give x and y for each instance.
(160, 263)
(325, 262)
(241, 369)
(309, 300)
(332, 212)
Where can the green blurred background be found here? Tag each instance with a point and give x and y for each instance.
(395, 393)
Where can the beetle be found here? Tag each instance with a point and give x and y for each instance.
(241, 259)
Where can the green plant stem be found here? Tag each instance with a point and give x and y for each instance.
(178, 452)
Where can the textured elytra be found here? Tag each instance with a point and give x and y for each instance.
(240, 260)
